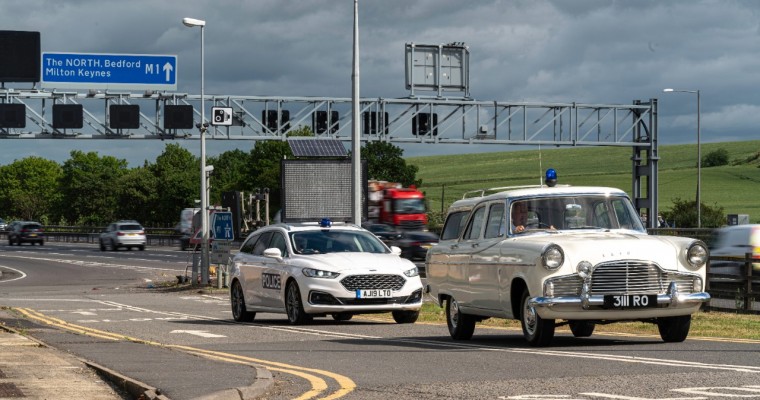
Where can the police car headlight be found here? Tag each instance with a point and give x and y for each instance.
(412, 272)
(552, 257)
(318, 273)
(696, 256)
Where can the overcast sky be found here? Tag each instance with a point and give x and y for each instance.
(586, 51)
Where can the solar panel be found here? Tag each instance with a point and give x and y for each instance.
(310, 147)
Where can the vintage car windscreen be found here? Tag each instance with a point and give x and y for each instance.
(580, 212)
(334, 241)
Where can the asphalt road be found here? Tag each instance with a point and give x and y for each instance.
(365, 358)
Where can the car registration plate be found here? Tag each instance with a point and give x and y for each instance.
(630, 301)
(373, 293)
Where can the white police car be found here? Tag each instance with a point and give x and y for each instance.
(313, 270)
(562, 255)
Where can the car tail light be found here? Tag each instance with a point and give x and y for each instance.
(120, 233)
(141, 233)
(416, 243)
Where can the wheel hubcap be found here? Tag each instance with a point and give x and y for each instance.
(292, 303)
(237, 300)
(454, 313)
(529, 317)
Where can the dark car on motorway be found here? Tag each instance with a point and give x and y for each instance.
(415, 244)
(386, 233)
(26, 232)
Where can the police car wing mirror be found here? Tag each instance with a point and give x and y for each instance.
(273, 253)
(395, 250)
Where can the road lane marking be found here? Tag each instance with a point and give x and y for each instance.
(89, 264)
(23, 275)
(203, 334)
(318, 385)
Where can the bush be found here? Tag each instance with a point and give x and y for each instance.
(715, 158)
(684, 214)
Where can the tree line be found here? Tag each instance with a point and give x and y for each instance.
(93, 190)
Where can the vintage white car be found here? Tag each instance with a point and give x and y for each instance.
(310, 270)
(581, 257)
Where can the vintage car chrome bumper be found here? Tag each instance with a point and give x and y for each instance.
(672, 298)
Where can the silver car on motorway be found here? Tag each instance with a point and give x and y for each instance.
(125, 234)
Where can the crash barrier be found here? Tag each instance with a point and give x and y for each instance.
(77, 234)
(734, 283)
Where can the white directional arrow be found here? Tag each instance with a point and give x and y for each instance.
(168, 69)
(204, 334)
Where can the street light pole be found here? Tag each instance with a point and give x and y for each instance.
(192, 22)
(699, 152)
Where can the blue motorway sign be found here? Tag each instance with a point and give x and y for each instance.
(222, 226)
(109, 71)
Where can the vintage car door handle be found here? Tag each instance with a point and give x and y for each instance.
(474, 245)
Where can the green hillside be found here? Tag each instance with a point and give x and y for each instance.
(733, 187)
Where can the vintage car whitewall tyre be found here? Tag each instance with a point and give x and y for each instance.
(461, 326)
(537, 331)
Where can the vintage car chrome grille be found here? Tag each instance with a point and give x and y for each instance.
(684, 283)
(622, 277)
(375, 281)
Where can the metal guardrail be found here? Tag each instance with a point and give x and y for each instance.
(739, 290)
(155, 236)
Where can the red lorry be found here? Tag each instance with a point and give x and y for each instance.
(391, 204)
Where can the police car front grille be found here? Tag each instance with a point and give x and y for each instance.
(374, 281)
(623, 277)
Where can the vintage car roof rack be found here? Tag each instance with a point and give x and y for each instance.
(483, 192)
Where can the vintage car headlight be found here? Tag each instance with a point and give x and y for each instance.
(696, 256)
(552, 257)
(584, 269)
(412, 272)
(318, 273)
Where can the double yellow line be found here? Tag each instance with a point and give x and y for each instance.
(314, 376)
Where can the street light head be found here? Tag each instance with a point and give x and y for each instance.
(192, 22)
(667, 90)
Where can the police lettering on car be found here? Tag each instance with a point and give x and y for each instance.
(270, 281)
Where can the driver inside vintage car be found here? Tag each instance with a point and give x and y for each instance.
(519, 219)
(519, 216)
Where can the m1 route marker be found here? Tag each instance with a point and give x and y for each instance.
(108, 71)
(222, 226)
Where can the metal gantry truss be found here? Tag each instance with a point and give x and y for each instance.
(430, 120)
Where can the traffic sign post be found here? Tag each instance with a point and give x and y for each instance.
(108, 71)
(221, 116)
(222, 226)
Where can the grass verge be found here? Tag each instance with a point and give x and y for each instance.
(713, 324)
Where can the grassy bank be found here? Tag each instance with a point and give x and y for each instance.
(446, 178)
